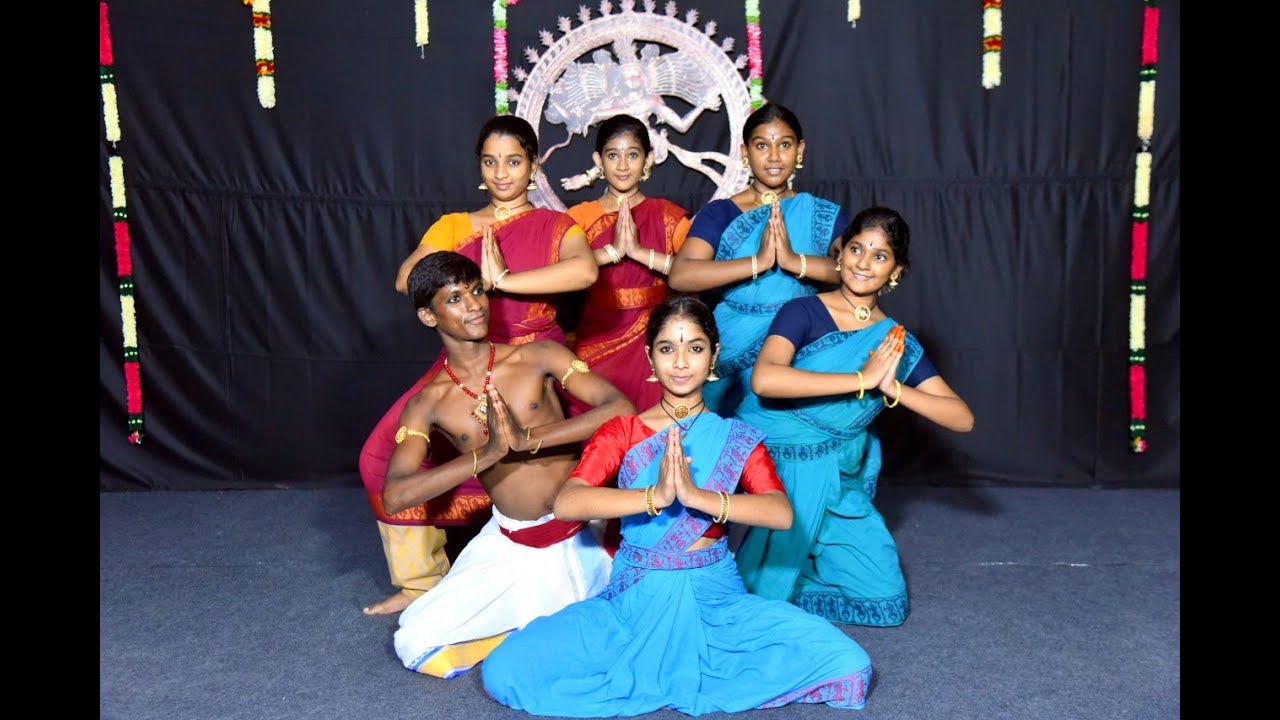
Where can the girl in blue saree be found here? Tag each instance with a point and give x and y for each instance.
(760, 248)
(675, 628)
(831, 363)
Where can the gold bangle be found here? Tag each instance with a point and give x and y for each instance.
(666, 267)
(650, 258)
(499, 278)
(475, 462)
(648, 501)
(724, 508)
(754, 268)
(895, 400)
(539, 447)
(405, 432)
(804, 268)
(612, 252)
(862, 387)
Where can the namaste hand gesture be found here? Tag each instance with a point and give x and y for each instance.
(625, 238)
(492, 264)
(768, 255)
(881, 368)
(674, 480)
(503, 435)
(776, 232)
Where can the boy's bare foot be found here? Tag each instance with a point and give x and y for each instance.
(393, 603)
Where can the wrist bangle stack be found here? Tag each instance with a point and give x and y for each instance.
(755, 271)
(648, 502)
(724, 509)
(895, 400)
(666, 267)
(862, 387)
(613, 253)
(650, 258)
(804, 268)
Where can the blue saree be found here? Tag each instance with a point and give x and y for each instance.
(676, 629)
(747, 308)
(838, 560)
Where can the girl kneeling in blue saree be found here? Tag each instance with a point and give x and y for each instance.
(675, 628)
(831, 363)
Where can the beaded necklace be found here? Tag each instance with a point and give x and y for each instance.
(481, 411)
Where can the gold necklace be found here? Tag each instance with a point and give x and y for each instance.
(680, 412)
(768, 197)
(861, 312)
(618, 198)
(501, 212)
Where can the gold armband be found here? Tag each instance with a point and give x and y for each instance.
(575, 366)
(405, 432)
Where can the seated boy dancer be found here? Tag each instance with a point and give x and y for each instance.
(497, 405)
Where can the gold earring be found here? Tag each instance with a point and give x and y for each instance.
(645, 175)
(893, 282)
(837, 267)
(745, 165)
(532, 185)
(800, 163)
(653, 374)
(712, 376)
(482, 186)
(594, 174)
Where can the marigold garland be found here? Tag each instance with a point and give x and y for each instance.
(992, 42)
(1141, 222)
(120, 219)
(755, 59)
(855, 12)
(421, 30)
(264, 52)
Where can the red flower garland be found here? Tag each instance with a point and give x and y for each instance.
(120, 216)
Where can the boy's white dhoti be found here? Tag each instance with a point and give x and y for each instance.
(498, 585)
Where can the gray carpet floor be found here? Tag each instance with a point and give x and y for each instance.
(1026, 604)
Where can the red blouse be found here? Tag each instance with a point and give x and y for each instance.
(602, 456)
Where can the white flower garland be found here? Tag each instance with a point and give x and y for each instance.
(264, 53)
(855, 12)
(992, 42)
(421, 29)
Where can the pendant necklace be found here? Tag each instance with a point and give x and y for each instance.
(861, 312)
(501, 212)
(618, 198)
(480, 412)
(680, 412)
(768, 197)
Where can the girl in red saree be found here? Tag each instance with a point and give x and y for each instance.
(527, 255)
(634, 240)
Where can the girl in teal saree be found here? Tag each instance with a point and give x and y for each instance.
(831, 364)
(675, 628)
(764, 246)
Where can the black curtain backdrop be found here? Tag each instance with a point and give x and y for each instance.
(265, 242)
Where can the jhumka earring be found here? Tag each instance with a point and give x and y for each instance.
(712, 376)
(594, 174)
(532, 185)
(800, 163)
(653, 374)
(645, 175)
(745, 165)
(837, 267)
(893, 282)
(482, 186)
